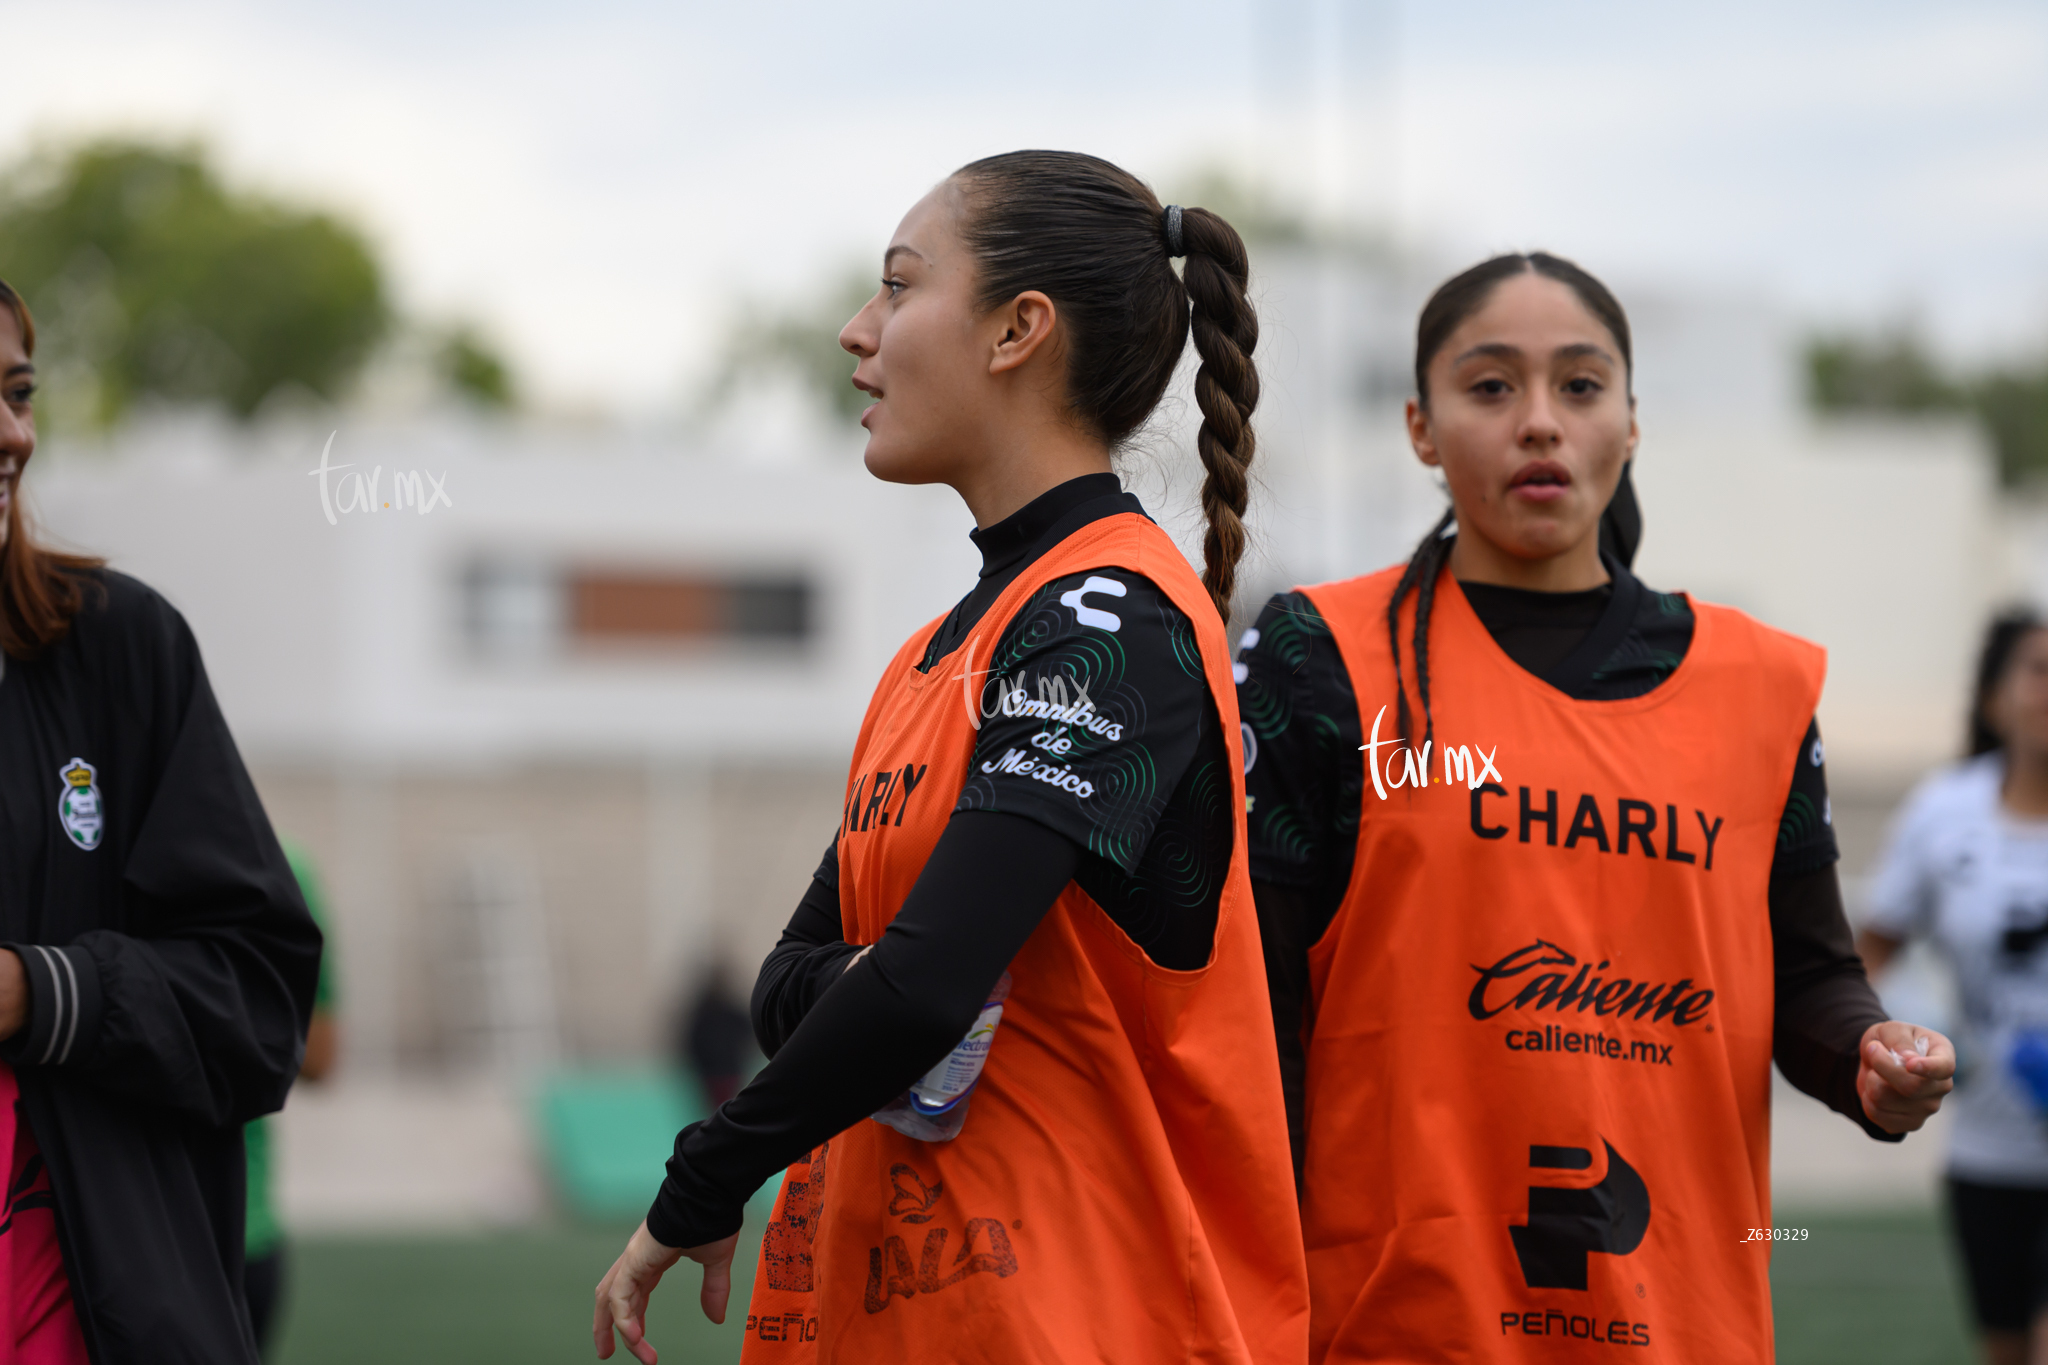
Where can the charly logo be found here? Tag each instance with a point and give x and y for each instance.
(1095, 616)
(1469, 764)
(889, 784)
(78, 804)
(1566, 1225)
(984, 1247)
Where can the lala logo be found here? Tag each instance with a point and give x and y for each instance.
(1471, 764)
(985, 1247)
(78, 804)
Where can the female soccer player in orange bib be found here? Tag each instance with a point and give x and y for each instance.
(1544, 865)
(1047, 791)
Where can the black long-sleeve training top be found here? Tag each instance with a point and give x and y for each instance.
(1306, 789)
(843, 1041)
(171, 967)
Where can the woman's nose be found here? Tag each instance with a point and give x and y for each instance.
(17, 440)
(858, 335)
(1539, 423)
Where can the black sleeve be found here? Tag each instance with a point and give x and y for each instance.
(1806, 831)
(1304, 783)
(1283, 912)
(879, 1025)
(200, 1005)
(1303, 776)
(808, 958)
(1824, 999)
(1093, 713)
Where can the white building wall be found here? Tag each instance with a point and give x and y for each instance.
(345, 639)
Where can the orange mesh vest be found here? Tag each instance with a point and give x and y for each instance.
(1538, 1098)
(1122, 1189)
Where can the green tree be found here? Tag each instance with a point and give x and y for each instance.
(1893, 373)
(1896, 372)
(2014, 408)
(152, 278)
(473, 368)
(800, 341)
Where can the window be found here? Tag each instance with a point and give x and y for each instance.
(523, 609)
(658, 608)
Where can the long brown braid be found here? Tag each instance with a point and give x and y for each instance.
(1226, 329)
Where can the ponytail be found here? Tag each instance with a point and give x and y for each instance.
(1094, 239)
(1226, 329)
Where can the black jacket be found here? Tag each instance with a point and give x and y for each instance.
(171, 963)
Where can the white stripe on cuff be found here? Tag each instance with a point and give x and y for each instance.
(56, 1001)
(77, 1006)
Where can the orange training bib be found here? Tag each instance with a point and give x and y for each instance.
(1122, 1190)
(1538, 1099)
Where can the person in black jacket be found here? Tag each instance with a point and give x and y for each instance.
(158, 967)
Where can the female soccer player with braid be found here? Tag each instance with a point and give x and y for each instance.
(1047, 791)
(1546, 876)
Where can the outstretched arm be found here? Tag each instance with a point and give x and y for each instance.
(876, 1027)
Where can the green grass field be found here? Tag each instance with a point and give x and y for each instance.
(1866, 1289)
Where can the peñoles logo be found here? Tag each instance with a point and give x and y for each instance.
(1561, 989)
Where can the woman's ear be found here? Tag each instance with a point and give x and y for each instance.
(1027, 324)
(1419, 435)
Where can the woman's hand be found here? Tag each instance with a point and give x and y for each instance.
(1905, 1071)
(13, 995)
(622, 1293)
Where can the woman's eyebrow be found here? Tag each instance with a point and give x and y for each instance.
(1582, 348)
(890, 254)
(1500, 349)
(23, 368)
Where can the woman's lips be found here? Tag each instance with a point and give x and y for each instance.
(1543, 481)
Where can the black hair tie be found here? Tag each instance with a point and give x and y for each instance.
(1175, 246)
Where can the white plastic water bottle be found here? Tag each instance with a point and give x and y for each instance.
(935, 1107)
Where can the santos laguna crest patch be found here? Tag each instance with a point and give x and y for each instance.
(78, 806)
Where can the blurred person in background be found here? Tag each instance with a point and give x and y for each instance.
(1046, 792)
(263, 1272)
(715, 1035)
(1536, 937)
(1967, 870)
(159, 965)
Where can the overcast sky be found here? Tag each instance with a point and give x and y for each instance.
(601, 183)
